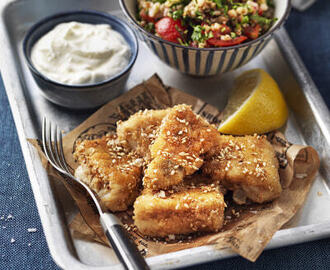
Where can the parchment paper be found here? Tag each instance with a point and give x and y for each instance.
(247, 229)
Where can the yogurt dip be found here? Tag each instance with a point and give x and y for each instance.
(76, 53)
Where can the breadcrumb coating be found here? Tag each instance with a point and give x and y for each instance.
(188, 165)
(140, 130)
(247, 165)
(110, 170)
(182, 211)
(182, 139)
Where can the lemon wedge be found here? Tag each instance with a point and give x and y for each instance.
(256, 105)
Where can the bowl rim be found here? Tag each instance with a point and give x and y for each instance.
(113, 18)
(266, 35)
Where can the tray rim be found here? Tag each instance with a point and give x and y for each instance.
(49, 213)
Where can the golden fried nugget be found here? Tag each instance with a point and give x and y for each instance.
(247, 165)
(176, 152)
(183, 211)
(109, 169)
(140, 130)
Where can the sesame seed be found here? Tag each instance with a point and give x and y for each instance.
(162, 194)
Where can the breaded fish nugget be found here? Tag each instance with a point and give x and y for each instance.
(140, 130)
(182, 139)
(109, 169)
(247, 165)
(182, 212)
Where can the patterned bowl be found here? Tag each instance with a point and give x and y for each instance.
(205, 61)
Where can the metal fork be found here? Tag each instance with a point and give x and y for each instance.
(125, 249)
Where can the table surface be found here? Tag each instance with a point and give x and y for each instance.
(22, 242)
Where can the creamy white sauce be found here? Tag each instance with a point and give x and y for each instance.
(79, 53)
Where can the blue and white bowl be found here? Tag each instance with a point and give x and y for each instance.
(205, 61)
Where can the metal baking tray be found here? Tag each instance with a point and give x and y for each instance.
(309, 123)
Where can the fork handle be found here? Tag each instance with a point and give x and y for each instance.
(125, 249)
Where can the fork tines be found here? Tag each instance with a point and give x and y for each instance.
(53, 146)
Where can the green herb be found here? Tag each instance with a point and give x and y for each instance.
(238, 28)
(223, 29)
(199, 15)
(177, 14)
(245, 19)
(197, 34)
(233, 35)
(270, 3)
(218, 3)
(183, 43)
(159, 1)
(150, 27)
(236, 5)
(261, 20)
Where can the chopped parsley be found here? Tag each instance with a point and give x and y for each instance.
(245, 19)
(150, 27)
(194, 22)
(218, 3)
(177, 14)
(261, 20)
(198, 34)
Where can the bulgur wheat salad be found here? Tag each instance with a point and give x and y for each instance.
(206, 23)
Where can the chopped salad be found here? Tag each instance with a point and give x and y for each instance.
(206, 23)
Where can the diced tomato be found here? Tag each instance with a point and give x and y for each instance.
(169, 29)
(194, 44)
(226, 43)
(223, 30)
(144, 15)
(252, 32)
(260, 12)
